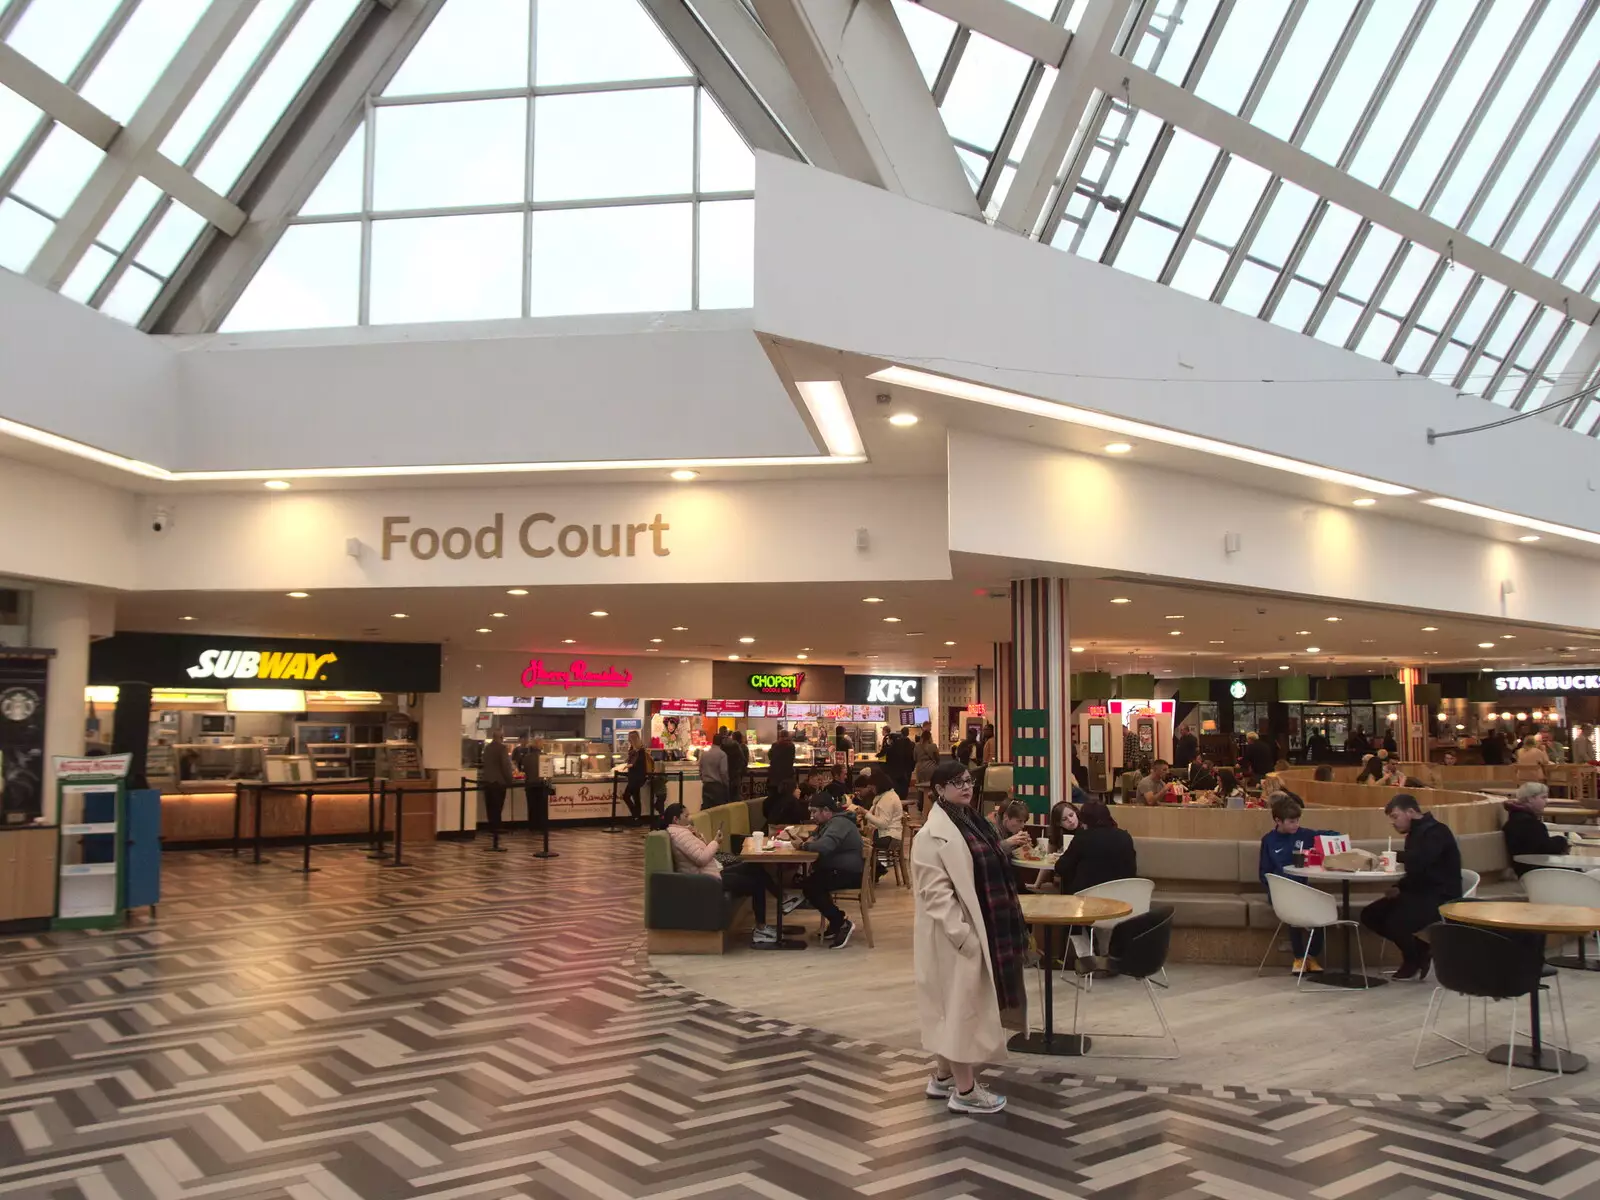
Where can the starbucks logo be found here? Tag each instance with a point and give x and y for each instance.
(18, 704)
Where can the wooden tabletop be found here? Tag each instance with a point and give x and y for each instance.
(1072, 910)
(791, 857)
(1525, 918)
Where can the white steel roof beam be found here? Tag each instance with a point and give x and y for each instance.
(1008, 24)
(37, 86)
(852, 63)
(1171, 103)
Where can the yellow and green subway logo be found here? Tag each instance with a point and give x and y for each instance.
(260, 664)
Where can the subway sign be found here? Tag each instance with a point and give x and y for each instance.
(778, 685)
(1586, 679)
(260, 664)
(180, 660)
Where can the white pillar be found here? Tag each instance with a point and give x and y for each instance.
(61, 621)
(441, 750)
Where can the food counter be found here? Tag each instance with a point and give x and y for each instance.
(338, 809)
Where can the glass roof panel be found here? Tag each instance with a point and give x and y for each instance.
(310, 280)
(1179, 178)
(18, 118)
(1235, 198)
(1305, 57)
(1240, 52)
(1172, 37)
(930, 35)
(599, 41)
(224, 78)
(1328, 244)
(141, 51)
(57, 36)
(57, 172)
(471, 45)
(983, 92)
(22, 232)
(1359, 76)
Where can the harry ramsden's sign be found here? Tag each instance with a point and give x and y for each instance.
(536, 536)
(1587, 682)
(577, 675)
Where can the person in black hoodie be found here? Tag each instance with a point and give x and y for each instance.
(1433, 877)
(1524, 828)
(900, 760)
(1099, 851)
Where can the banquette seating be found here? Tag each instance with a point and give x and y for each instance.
(689, 913)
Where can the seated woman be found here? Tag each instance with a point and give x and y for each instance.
(1524, 828)
(1099, 853)
(1229, 792)
(1062, 825)
(787, 805)
(1371, 770)
(693, 855)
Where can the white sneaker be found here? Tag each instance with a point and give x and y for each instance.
(979, 1100)
(791, 903)
(940, 1089)
(767, 933)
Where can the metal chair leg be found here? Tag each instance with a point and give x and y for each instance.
(1361, 957)
(1272, 944)
(1428, 1021)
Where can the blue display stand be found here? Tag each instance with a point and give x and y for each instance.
(141, 872)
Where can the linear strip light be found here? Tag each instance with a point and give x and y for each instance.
(962, 389)
(133, 466)
(830, 410)
(1494, 514)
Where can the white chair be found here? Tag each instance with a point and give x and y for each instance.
(1469, 884)
(1133, 892)
(1556, 885)
(1303, 907)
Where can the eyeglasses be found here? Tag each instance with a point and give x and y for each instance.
(964, 782)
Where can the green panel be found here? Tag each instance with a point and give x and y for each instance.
(1430, 694)
(1091, 685)
(1136, 687)
(1387, 690)
(1031, 784)
(1194, 691)
(1294, 687)
(1333, 691)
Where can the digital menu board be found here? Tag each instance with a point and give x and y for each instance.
(679, 708)
(615, 702)
(725, 708)
(770, 708)
(566, 702)
(512, 701)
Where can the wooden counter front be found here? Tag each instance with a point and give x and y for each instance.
(337, 810)
(28, 856)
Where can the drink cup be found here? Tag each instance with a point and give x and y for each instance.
(753, 842)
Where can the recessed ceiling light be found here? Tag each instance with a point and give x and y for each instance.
(805, 648)
(949, 643)
(1217, 642)
(1120, 600)
(872, 656)
(683, 660)
(599, 612)
(1368, 641)
(1077, 649)
(1430, 629)
(1313, 649)
(801, 656)
(903, 419)
(497, 614)
(1302, 633)
(1333, 618)
(569, 641)
(1177, 633)
(185, 618)
(892, 620)
(1485, 645)
(684, 475)
(484, 629)
(1173, 617)
(299, 595)
(1118, 448)
(651, 650)
(747, 640)
(1283, 668)
(733, 658)
(872, 599)
(915, 633)
(680, 629)
(655, 641)
(276, 485)
(1364, 502)
(1529, 537)
(1508, 637)
(396, 616)
(516, 591)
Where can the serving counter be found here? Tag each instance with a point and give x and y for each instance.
(338, 809)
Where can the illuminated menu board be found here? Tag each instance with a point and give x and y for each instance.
(680, 708)
(725, 708)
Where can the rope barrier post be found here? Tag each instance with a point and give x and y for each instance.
(305, 867)
(461, 818)
(260, 798)
(541, 789)
(612, 827)
(238, 799)
(399, 829)
(377, 851)
(371, 828)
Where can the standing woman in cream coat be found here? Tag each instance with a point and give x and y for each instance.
(969, 941)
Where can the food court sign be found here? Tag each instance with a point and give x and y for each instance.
(575, 674)
(1585, 679)
(778, 685)
(537, 535)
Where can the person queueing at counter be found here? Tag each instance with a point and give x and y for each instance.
(1278, 848)
(900, 761)
(780, 764)
(1433, 877)
(1524, 828)
(693, 855)
(733, 745)
(640, 765)
(494, 777)
(713, 774)
(840, 862)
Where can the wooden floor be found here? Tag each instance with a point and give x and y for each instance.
(1234, 1028)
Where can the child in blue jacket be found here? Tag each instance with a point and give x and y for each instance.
(1277, 852)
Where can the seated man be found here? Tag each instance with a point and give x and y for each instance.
(1433, 877)
(1152, 785)
(838, 847)
(1277, 852)
(693, 855)
(1524, 828)
(1323, 774)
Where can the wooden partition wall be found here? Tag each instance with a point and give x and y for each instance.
(1362, 822)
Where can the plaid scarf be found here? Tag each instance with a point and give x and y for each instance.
(997, 900)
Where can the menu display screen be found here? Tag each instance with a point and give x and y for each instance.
(615, 702)
(725, 708)
(566, 702)
(680, 708)
(770, 708)
(512, 701)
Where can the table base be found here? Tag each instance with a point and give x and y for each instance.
(781, 944)
(1574, 962)
(1061, 1045)
(1543, 1060)
(1345, 979)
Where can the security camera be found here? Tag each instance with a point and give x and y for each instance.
(161, 520)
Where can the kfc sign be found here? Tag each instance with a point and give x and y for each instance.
(883, 689)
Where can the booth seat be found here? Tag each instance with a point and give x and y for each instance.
(687, 913)
(733, 818)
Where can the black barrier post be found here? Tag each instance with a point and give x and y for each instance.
(383, 799)
(371, 828)
(612, 827)
(399, 829)
(461, 820)
(305, 867)
(541, 790)
(260, 796)
(238, 799)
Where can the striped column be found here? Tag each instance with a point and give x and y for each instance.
(1004, 700)
(1041, 733)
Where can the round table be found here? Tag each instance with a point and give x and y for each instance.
(1050, 913)
(778, 861)
(1566, 862)
(1515, 917)
(1321, 877)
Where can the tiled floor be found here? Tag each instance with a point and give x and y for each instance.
(484, 1026)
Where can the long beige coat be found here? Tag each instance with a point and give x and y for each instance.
(956, 1003)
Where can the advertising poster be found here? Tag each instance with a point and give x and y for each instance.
(22, 694)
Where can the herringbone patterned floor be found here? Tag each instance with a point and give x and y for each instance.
(484, 1026)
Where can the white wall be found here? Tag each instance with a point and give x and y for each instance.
(855, 268)
(753, 532)
(69, 370)
(60, 528)
(692, 386)
(1114, 516)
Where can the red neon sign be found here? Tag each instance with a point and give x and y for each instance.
(576, 675)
